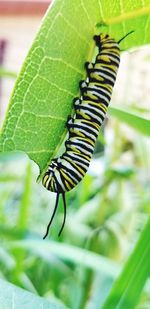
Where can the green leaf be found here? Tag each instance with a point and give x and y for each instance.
(137, 122)
(127, 288)
(69, 253)
(17, 298)
(35, 122)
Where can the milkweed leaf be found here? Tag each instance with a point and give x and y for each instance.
(41, 101)
(13, 297)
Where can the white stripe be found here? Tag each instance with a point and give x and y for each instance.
(92, 108)
(97, 94)
(77, 156)
(75, 160)
(76, 141)
(88, 135)
(101, 74)
(83, 151)
(85, 125)
(69, 166)
(98, 118)
(103, 68)
(101, 88)
(91, 112)
(81, 164)
(57, 175)
(110, 56)
(117, 60)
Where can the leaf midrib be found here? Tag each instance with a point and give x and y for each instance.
(128, 15)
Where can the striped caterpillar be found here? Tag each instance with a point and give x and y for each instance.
(65, 172)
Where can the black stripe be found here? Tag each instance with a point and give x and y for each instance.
(77, 166)
(100, 72)
(112, 62)
(100, 91)
(57, 184)
(81, 155)
(98, 100)
(91, 118)
(86, 135)
(78, 159)
(77, 144)
(92, 110)
(70, 172)
(86, 128)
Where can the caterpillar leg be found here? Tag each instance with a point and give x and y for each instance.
(70, 121)
(83, 86)
(89, 66)
(77, 103)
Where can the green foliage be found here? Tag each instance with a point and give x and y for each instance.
(69, 253)
(127, 289)
(42, 97)
(13, 297)
(107, 211)
(137, 122)
(104, 224)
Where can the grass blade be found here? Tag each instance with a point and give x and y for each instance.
(137, 122)
(127, 288)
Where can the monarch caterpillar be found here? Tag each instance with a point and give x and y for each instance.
(65, 172)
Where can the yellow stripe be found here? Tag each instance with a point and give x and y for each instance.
(94, 96)
(78, 152)
(83, 115)
(66, 177)
(86, 139)
(105, 58)
(95, 104)
(77, 132)
(98, 105)
(82, 155)
(52, 183)
(108, 87)
(96, 125)
(79, 169)
(74, 149)
(98, 78)
(67, 185)
(45, 178)
(103, 107)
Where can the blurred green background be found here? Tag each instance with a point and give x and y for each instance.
(106, 212)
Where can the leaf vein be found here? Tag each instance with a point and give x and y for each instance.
(129, 15)
(64, 62)
(74, 29)
(88, 16)
(101, 13)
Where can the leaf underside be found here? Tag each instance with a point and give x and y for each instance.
(35, 122)
(13, 297)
